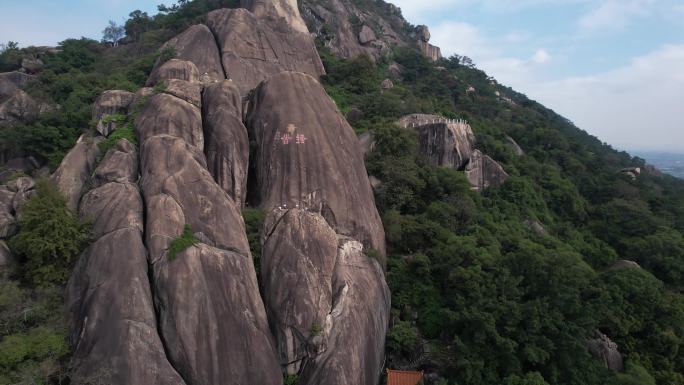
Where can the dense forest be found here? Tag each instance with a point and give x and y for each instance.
(500, 287)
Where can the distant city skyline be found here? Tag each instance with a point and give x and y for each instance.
(614, 68)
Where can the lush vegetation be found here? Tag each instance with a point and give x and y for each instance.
(33, 344)
(183, 242)
(477, 295)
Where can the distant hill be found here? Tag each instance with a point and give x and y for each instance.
(667, 162)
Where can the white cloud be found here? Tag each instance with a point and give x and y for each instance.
(541, 57)
(638, 106)
(635, 106)
(614, 15)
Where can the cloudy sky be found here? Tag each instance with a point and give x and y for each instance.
(614, 67)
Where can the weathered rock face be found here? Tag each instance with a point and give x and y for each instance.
(484, 172)
(197, 44)
(211, 317)
(32, 65)
(605, 350)
(112, 320)
(513, 145)
(112, 102)
(447, 144)
(366, 35)
(309, 157)
(451, 143)
(253, 49)
(327, 302)
(227, 143)
(332, 21)
(174, 69)
(173, 116)
(624, 264)
(11, 82)
(286, 10)
(20, 107)
(76, 168)
(422, 38)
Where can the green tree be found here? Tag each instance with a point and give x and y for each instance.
(50, 238)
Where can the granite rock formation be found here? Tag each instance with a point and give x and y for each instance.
(452, 143)
(147, 312)
(112, 319)
(327, 301)
(253, 48)
(606, 351)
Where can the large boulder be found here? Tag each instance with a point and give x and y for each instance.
(210, 313)
(253, 49)
(328, 303)
(198, 45)
(422, 40)
(75, 170)
(227, 144)
(349, 30)
(444, 142)
(185, 90)
(447, 144)
(20, 107)
(484, 172)
(11, 82)
(174, 69)
(286, 10)
(32, 65)
(111, 102)
(120, 165)
(308, 156)
(606, 351)
(113, 328)
(167, 114)
(451, 143)
(366, 35)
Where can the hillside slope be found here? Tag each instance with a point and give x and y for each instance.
(569, 272)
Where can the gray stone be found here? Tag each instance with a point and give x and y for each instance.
(277, 10)
(113, 328)
(120, 164)
(327, 302)
(174, 69)
(366, 35)
(23, 183)
(484, 172)
(76, 168)
(325, 172)
(606, 351)
(198, 45)
(210, 313)
(253, 49)
(227, 144)
(112, 102)
(513, 145)
(32, 65)
(11, 82)
(170, 115)
(20, 107)
(190, 92)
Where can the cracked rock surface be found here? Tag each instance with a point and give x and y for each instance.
(141, 310)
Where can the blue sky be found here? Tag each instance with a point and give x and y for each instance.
(614, 67)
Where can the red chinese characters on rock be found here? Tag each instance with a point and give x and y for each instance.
(290, 134)
(287, 138)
